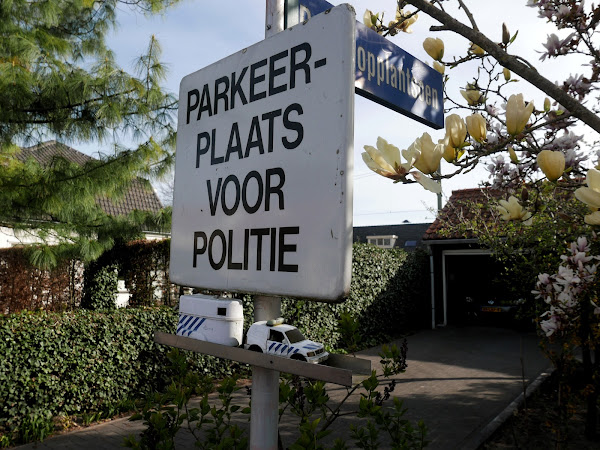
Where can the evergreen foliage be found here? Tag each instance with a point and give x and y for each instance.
(389, 295)
(58, 79)
(100, 288)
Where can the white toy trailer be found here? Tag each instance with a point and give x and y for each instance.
(212, 319)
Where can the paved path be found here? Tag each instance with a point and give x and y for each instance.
(458, 380)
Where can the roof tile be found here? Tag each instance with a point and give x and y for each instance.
(458, 209)
(140, 195)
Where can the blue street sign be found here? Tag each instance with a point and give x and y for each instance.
(385, 73)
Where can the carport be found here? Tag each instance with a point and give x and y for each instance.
(459, 267)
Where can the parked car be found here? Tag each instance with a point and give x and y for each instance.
(494, 311)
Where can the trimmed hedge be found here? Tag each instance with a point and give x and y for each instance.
(25, 287)
(100, 288)
(82, 362)
(389, 294)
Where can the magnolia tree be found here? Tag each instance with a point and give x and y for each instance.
(525, 147)
(573, 316)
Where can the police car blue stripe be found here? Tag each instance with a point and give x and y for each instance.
(271, 346)
(197, 326)
(296, 351)
(186, 328)
(277, 348)
(290, 349)
(283, 348)
(188, 321)
(181, 324)
(192, 323)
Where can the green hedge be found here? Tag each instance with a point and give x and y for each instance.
(81, 362)
(389, 294)
(101, 287)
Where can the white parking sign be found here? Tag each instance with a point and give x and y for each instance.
(263, 172)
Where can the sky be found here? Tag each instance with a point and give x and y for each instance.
(197, 33)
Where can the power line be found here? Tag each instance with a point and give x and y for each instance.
(360, 176)
(394, 212)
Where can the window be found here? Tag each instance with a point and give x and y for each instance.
(387, 241)
(276, 336)
(221, 311)
(295, 336)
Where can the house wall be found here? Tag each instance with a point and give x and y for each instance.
(11, 238)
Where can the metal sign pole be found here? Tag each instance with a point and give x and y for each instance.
(264, 415)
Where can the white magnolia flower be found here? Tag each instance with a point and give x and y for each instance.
(434, 48)
(590, 195)
(551, 163)
(512, 210)
(429, 160)
(476, 126)
(407, 19)
(385, 160)
(517, 114)
(456, 130)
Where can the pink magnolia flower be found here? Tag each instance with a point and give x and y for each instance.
(550, 326)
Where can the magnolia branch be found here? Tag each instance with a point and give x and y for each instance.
(575, 108)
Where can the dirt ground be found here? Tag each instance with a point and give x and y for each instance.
(539, 425)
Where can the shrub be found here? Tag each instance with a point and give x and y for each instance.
(23, 286)
(389, 290)
(100, 291)
(81, 362)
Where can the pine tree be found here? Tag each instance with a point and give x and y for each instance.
(58, 80)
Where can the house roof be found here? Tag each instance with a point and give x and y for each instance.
(409, 234)
(460, 208)
(139, 196)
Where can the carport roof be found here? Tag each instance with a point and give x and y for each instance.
(409, 235)
(463, 205)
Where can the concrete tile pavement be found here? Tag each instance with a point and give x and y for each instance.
(458, 380)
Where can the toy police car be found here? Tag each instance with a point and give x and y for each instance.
(276, 338)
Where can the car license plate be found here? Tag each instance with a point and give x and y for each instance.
(490, 309)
